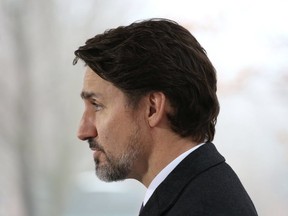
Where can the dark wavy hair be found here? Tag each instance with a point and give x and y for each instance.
(159, 55)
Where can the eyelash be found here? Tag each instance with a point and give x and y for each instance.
(97, 106)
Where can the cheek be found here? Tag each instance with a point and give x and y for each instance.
(109, 130)
(114, 127)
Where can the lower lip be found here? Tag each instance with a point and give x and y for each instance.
(96, 154)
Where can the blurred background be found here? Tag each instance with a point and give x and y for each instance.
(45, 170)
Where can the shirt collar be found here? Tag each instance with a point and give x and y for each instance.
(165, 172)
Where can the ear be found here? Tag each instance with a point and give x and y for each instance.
(156, 108)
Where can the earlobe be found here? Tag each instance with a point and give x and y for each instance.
(157, 103)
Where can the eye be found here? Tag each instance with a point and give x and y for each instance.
(96, 106)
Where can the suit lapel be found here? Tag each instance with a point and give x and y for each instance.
(171, 188)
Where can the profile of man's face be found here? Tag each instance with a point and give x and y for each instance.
(111, 128)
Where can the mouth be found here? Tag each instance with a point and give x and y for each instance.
(96, 155)
(98, 151)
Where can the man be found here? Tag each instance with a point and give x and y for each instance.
(150, 113)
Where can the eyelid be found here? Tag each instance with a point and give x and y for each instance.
(94, 101)
(97, 105)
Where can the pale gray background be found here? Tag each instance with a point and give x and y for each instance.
(46, 171)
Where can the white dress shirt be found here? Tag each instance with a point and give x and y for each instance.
(165, 172)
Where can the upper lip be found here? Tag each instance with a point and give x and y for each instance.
(92, 145)
(93, 148)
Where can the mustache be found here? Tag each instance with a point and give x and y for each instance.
(93, 144)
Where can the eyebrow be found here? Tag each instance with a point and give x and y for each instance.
(87, 95)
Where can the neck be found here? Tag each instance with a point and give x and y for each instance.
(164, 151)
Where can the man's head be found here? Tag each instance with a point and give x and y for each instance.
(159, 55)
(153, 56)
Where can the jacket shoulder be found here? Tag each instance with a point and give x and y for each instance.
(217, 191)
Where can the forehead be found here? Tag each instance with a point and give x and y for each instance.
(94, 85)
(92, 79)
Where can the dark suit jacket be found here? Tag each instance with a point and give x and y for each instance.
(201, 185)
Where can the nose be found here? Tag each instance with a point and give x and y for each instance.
(87, 128)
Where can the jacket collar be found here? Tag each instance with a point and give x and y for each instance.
(168, 191)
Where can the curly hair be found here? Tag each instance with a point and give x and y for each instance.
(159, 55)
